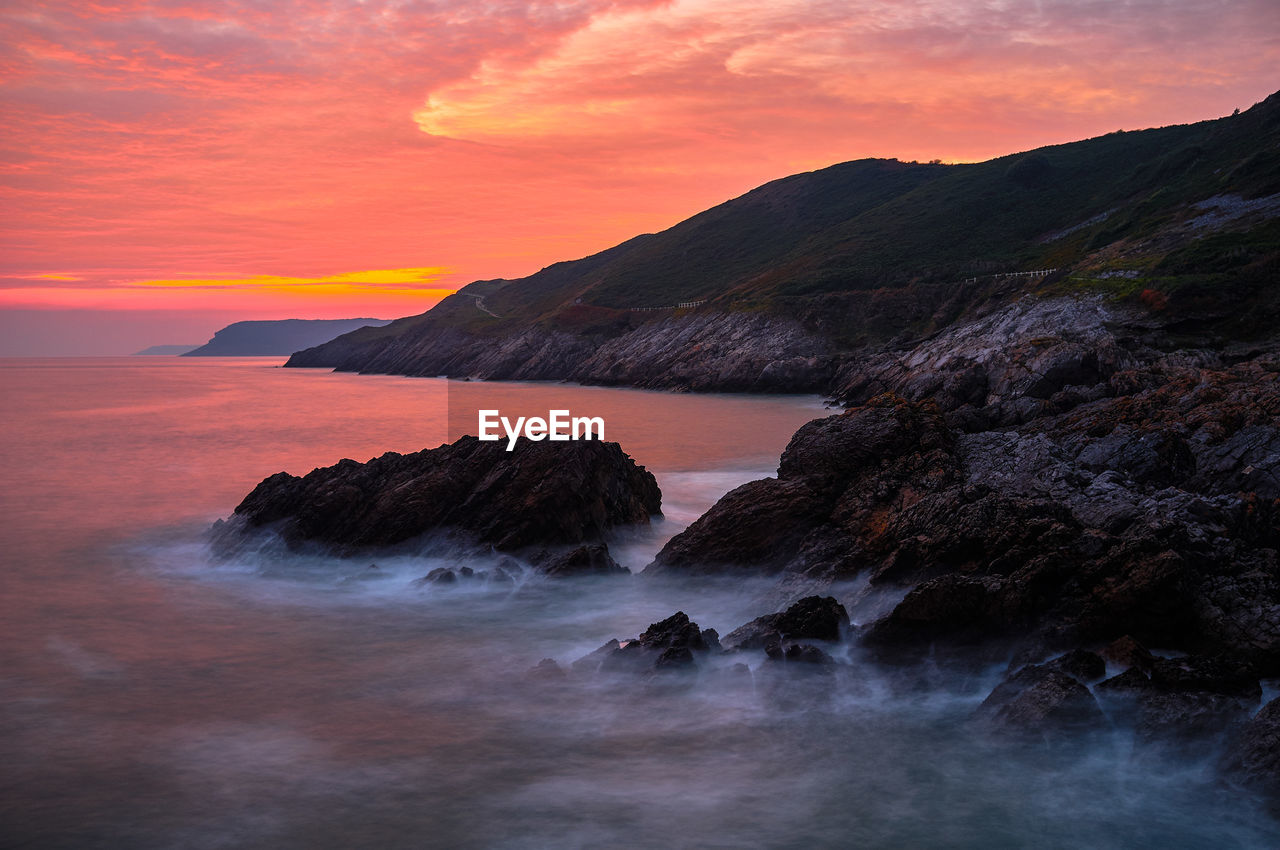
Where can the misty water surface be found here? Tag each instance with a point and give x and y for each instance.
(152, 698)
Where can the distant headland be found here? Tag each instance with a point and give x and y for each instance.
(274, 337)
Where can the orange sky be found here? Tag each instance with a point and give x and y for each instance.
(322, 159)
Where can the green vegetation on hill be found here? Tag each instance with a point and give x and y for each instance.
(1182, 217)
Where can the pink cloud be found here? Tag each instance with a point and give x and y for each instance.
(151, 140)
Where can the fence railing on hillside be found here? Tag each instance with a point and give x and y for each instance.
(672, 307)
(1036, 273)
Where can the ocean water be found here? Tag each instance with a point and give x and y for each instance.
(153, 698)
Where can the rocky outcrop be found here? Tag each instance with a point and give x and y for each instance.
(540, 494)
(670, 645)
(1253, 759)
(580, 561)
(1095, 489)
(701, 351)
(812, 618)
(1187, 702)
(1005, 367)
(1048, 700)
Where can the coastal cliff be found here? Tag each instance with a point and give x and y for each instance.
(792, 286)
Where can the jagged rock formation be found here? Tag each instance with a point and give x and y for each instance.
(812, 618)
(1049, 700)
(540, 494)
(704, 351)
(1092, 488)
(669, 645)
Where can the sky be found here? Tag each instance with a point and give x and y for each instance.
(169, 167)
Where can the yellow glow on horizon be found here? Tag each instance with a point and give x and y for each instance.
(54, 276)
(399, 291)
(401, 280)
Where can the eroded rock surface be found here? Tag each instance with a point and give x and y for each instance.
(540, 494)
(1035, 479)
(812, 618)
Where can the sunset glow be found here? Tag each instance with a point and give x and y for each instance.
(178, 155)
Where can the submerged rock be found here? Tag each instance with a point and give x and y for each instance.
(542, 493)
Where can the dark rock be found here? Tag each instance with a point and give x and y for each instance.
(1007, 536)
(1120, 695)
(1131, 682)
(1127, 652)
(1186, 702)
(667, 645)
(1081, 665)
(799, 653)
(584, 560)
(542, 493)
(440, 575)
(1151, 456)
(1253, 758)
(1035, 478)
(591, 662)
(778, 523)
(1190, 720)
(1219, 674)
(812, 618)
(547, 670)
(1041, 701)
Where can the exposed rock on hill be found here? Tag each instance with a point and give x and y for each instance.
(702, 352)
(821, 281)
(540, 494)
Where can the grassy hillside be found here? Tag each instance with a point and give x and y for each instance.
(1129, 213)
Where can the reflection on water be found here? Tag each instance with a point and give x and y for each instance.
(150, 698)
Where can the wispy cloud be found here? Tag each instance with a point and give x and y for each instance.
(172, 140)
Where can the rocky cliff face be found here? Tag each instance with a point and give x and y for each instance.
(539, 494)
(709, 351)
(1047, 484)
(1032, 477)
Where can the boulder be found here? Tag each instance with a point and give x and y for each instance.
(584, 560)
(812, 618)
(541, 493)
(1188, 702)
(1044, 701)
(672, 644)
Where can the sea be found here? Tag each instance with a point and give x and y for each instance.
(152, 696)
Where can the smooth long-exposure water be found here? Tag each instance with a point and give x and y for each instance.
(150, 697)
